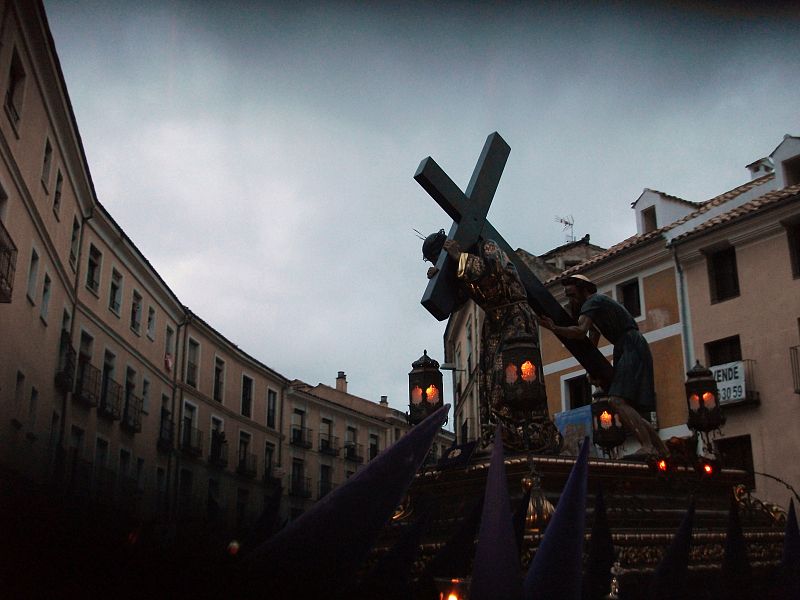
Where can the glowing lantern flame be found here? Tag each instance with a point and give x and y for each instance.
(432, 394)
(605, 419)
(662, 465)
(708, 398)
(708, 469)
(453, 596)
(511, 373)
(416, 395)
(528, 371)
(694, 401)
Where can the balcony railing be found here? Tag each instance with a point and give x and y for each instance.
(218, 453)
(110, 405)
(325, 487)
(65, 375)
(301, 436)
(300, 487)
(271, 475)
(88, 389)
(354, 452)
(8, 264)
(247, 465)
(166, 431)
(191, 439)
(191, 374)
(132, 415)
(328, 444)
(105, 481)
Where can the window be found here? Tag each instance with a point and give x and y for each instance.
(45, 298)
(469, 347)
(74, 241)
(169, 352)
(33, 405)
(100, 452)
(649, 221)
(242, 499)
(298, 426)
(115, 292)
(723, 278)
(15, 90)
(628, 295)
(269, 458)
(247, 396)
(191, 363)
(579, 392)
(219, 378)
(325, 480)
(272, 402)
(47, 163)
(57, 192)
(793, 237)
(374, 446)
(145, 395)
(791, 171)
(136, 312)
(151, 322)
(124, 463)
(93, 269)
(737, 453)
(185, 485)
(33, 274)
(723, 351)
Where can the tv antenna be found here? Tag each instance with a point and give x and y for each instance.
(569, 225)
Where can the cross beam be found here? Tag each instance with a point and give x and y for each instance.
(468, 211)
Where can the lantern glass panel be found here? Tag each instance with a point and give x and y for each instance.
(416, 395)
(511, 373)
(432, 394)
(528, 370)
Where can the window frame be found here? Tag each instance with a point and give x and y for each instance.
(714, 266)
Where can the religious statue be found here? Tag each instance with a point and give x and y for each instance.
(511, 389)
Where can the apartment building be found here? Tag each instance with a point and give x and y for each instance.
(115, 398)
(332, 434)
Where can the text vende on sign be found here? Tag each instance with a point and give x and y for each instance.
(730, 380)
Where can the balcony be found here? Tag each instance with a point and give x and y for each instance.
(8, 264)
(353, 452)
(110, 405)
(736, 383)
(247, 465)
(301, 437)
(165, 434)
(191, 374)
(325, 488)
(88, 390)
(794, 358)
(271, 476)
(328, 444)
(132, 415)
(191, 439)
(300, 487)
(65, 375)
(218, 453)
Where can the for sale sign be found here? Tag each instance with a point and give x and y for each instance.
(730, 381)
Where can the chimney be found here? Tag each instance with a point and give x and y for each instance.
(341, 382)
(384, 401)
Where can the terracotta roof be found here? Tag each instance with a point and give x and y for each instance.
(639, 240)
(668, 197)
(769, 199)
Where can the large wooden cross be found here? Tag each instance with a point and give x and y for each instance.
(468, 211)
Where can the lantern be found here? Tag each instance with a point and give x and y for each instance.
(702, 398)
(424, 388)
(607, 429)
(523, 385)
(452, 588)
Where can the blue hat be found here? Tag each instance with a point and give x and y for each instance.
(555, 571)
(496, 571)
(672, 574)
(601, 553)
(320, 552)
(737, 577)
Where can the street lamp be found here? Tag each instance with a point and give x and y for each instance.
(424, 388)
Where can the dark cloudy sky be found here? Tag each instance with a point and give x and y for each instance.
(261, 154)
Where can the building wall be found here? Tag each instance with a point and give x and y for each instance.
(766, 317)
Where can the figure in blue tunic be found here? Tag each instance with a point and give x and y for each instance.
(631, 389)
